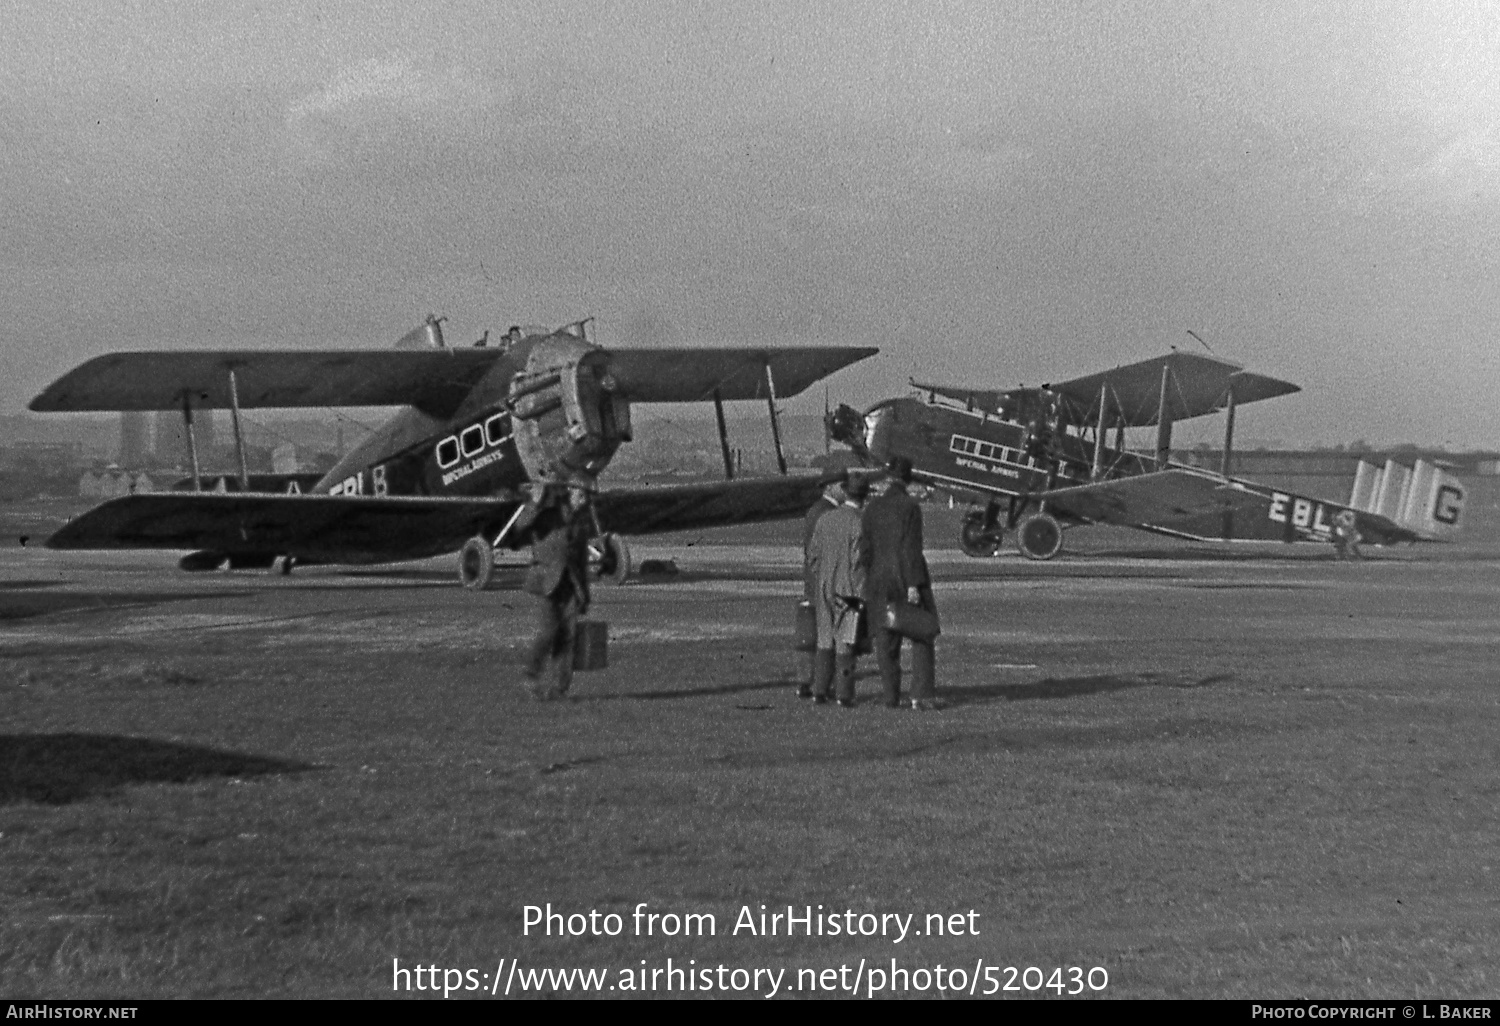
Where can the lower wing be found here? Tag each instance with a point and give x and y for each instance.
(1199, 504)
(368, 529)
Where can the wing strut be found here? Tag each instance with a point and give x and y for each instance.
(192, 441)
(1099, 429)
(239, 435)
(775, 424)
(1163, 420)
(1225, 463)
(723, 436)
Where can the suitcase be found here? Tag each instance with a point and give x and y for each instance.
(863, 645)
(591, 646)
(910, 621)
(804, 628)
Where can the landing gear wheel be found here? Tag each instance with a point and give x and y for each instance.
(609, 558)
(476, 564)
(1039, 536)
(978, 540)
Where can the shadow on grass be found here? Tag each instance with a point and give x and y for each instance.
(726, 689)
(56, 769)
(25, 604)
(1069, 687)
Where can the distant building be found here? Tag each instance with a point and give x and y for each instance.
(136, 441)
(171, 438)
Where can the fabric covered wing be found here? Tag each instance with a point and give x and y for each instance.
(1196, 385)
(1192, 503)
(335, 528)
(1166, 498)
(434, 380)
(692, 375)
(715, 504)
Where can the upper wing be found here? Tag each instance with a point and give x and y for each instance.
(436, 380)
(693, 375)
(1195, 385)
(335, 528)
(711, 504)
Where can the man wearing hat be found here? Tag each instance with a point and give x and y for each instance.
(834, 559)
(832, 496)
(896, 571)
(558, 520)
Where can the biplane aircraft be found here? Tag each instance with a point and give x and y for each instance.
(450, 470)
(1037, 461)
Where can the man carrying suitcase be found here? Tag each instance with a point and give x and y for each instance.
(558, 577)
(896, 571)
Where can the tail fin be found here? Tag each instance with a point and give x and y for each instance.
(429, 335)
(1425, 499)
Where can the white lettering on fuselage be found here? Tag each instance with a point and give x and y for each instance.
(1308, 514)
(459, 473)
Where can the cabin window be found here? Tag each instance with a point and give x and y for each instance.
(472, 440)
(447, 452)
(494, 429)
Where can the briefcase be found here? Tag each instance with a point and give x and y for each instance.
(911, 621)
(591, 645)
(804, 628)
(862, 643)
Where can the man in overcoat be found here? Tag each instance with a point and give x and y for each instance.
(839, 579)
(821, 668)
(896, 571)
(558, 577)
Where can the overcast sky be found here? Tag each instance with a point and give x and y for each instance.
(991, 192)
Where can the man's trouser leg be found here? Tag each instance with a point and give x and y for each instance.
(844, 672)
(887, 647)
(822, 676)
(923, 659)
(540, 653)
(923, 671)
(562, 648)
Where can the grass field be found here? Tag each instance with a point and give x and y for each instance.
(1210, 775)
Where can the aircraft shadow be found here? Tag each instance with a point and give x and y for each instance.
(56, 769)
(25, 603)
(1068, 687)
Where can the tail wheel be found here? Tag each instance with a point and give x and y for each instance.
(476, 564)
(609, 558)
(1039, 536)
(978, 540)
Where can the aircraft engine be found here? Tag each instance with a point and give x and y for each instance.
(568, 418)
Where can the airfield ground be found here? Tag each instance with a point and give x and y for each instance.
(1210, 772)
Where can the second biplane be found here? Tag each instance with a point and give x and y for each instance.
(1039, 460)
(451, 470)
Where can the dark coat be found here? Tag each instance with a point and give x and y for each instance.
(559, 555)
(891, 547)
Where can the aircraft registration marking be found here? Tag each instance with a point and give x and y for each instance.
(1307, 514)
